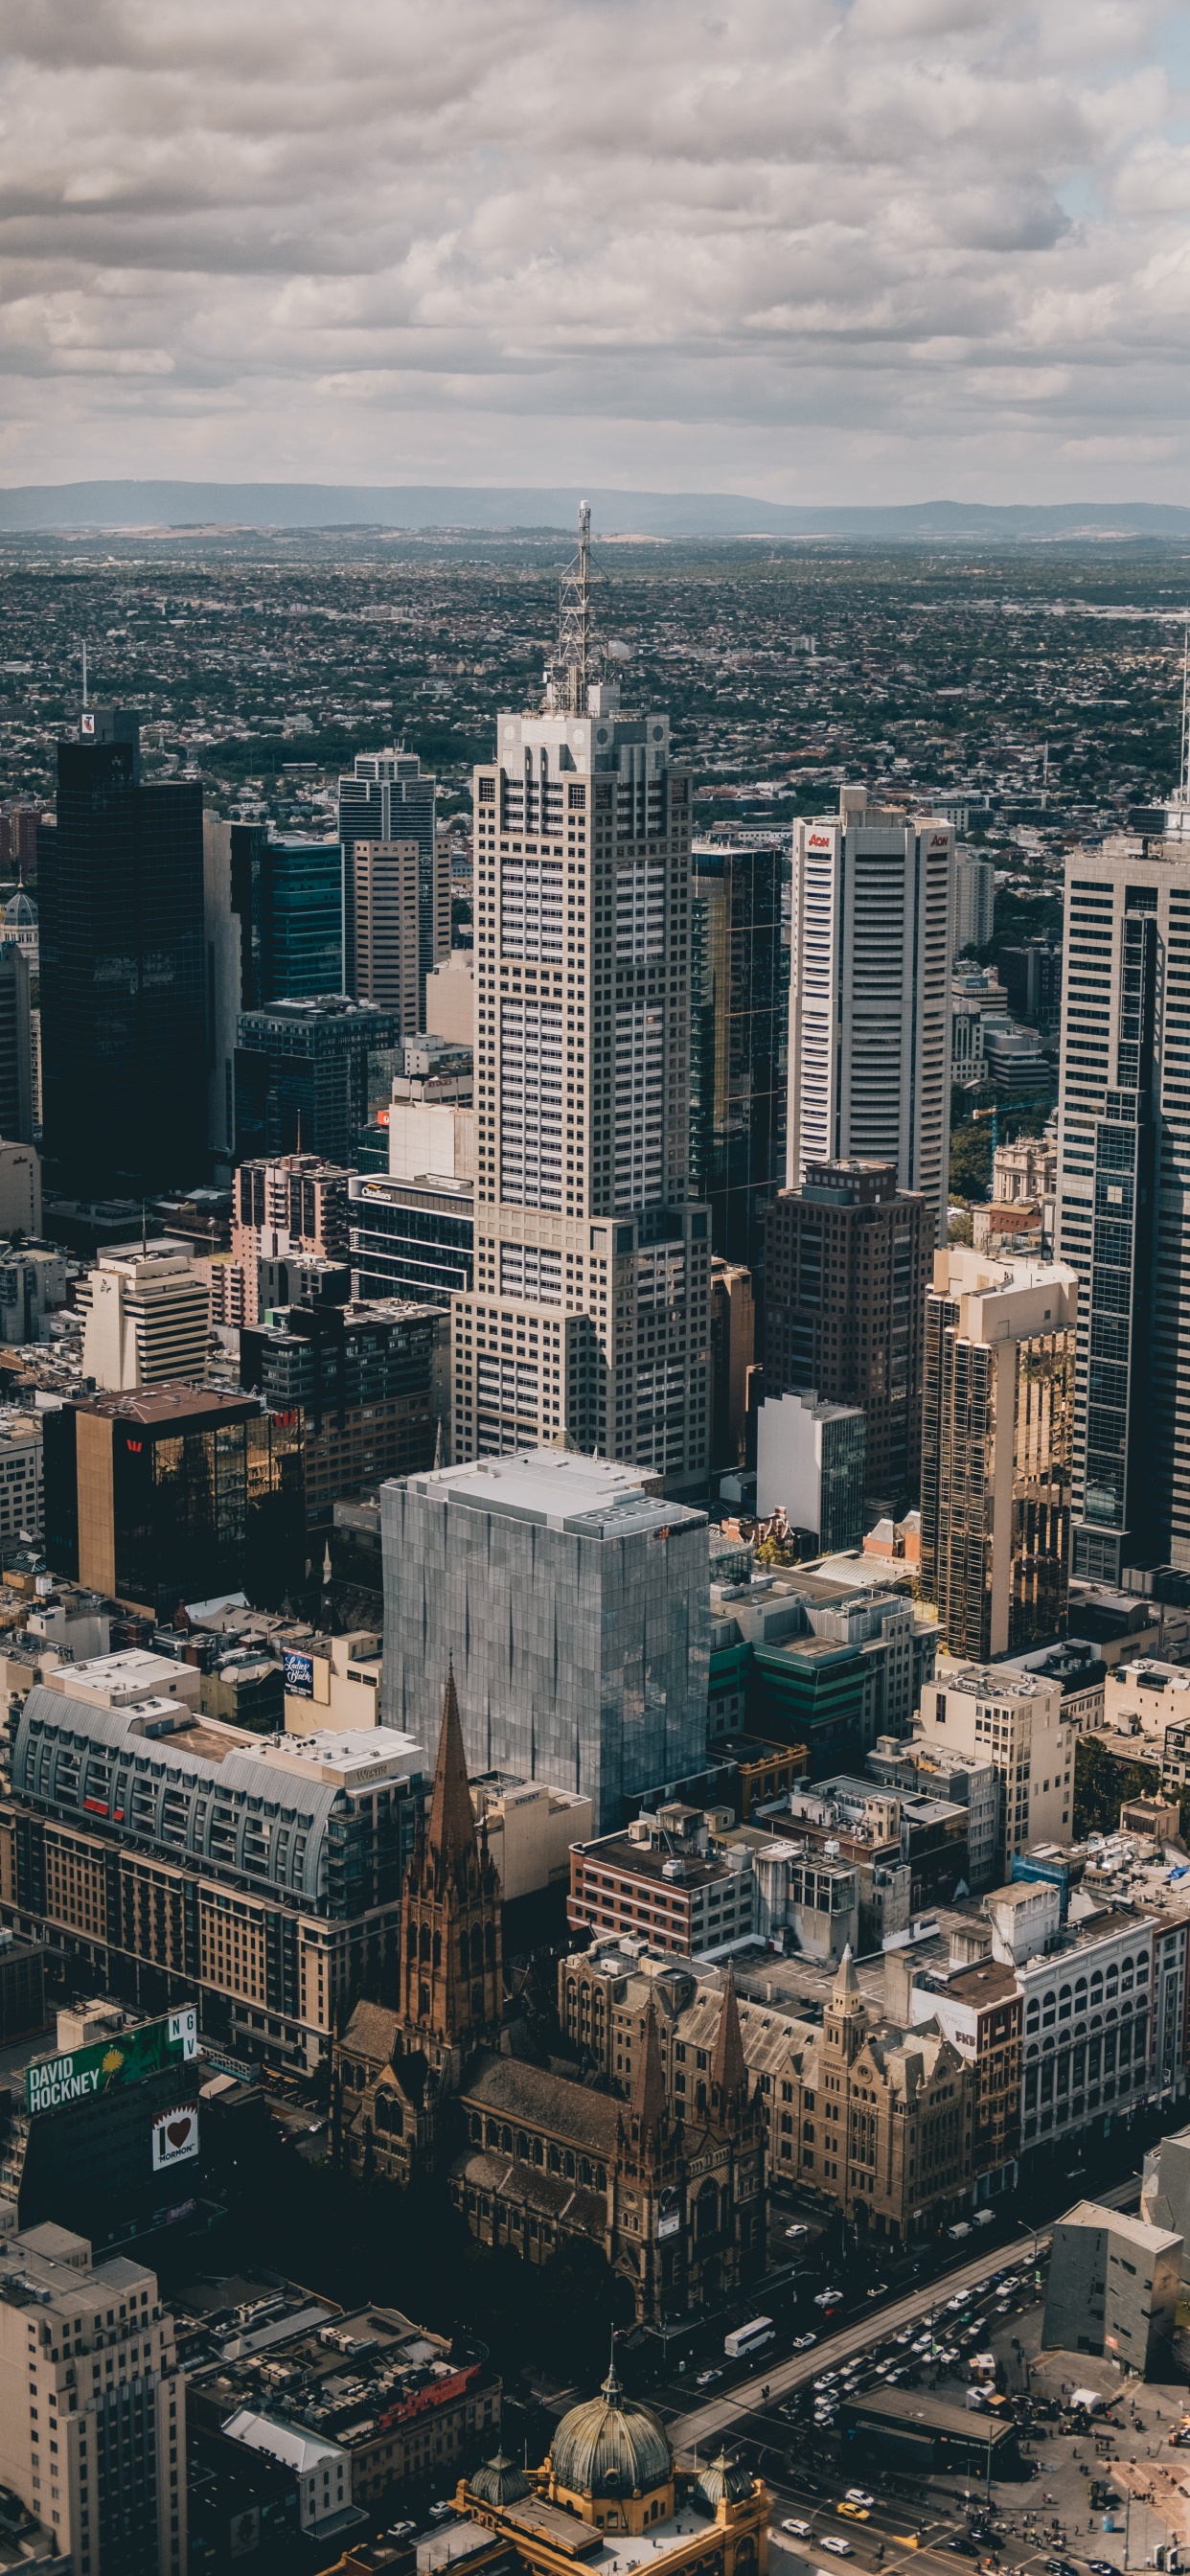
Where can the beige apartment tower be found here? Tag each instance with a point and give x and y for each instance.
(385, 892)
(93, 2423)
(996, 1449)
(588, 1326)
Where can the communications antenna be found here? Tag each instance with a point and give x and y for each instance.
(84, 672)
(574, 666)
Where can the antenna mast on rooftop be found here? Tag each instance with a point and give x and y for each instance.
(573, 668)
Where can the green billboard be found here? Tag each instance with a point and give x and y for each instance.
(122, 2058)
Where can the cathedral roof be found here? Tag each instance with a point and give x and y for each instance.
(372, 2032)
(611, 2446)
(571, 2112)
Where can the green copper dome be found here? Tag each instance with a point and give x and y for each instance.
(611, 2446)
(724, 2477)
(499, 2481)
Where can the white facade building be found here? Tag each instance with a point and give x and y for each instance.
(869, 997)
(146, 1318)
(811, 1463)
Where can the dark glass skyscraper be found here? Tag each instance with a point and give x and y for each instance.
(123, 1014)
(290, 895)
(309, 1074)
(739, 1039)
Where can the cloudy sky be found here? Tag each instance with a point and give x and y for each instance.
(796, 248)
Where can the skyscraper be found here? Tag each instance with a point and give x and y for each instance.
(387, 799)
(16, 1045)
(996, 1450)
(309, 1074)
(739, 1035)
(846, 1272)
(574, 1602)
(1123, 1221)
(869, 997)
(589, 1320)
(123, 1019)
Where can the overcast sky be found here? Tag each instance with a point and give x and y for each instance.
(818, 252)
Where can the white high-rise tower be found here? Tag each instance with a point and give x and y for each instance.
(588, 1324)
(869, 994)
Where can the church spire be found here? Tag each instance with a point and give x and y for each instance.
(846, 1983)
(648, 2092)
(729, 2069)
(451, 1833)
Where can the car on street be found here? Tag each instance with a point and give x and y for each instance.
(953, 2305)
(803, 2343)
(1102, 2567)
(859, 2495)
(794, 2232)
(827, 2298)
(856, 2512)
(800, 2530)
(402, 2530)
(878, 2290)
(964, 2548)
(838, 2548)
(439, 2511)
(708, 2379)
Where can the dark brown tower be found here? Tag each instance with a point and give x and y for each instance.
(450, 1914)
(729, 2072)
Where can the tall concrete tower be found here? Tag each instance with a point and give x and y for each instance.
(869, 994)
(588, 1325)
(1124, 1197)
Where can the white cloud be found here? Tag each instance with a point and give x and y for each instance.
(792, 247)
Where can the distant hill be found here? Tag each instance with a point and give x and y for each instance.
(655, 514)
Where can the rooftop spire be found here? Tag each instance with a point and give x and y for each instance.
(451, 1832)
(729, 2067)
(648, 2092)
(574, 663)
(846, 1983)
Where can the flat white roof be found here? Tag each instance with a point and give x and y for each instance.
(559, 1487)
(292, 2443)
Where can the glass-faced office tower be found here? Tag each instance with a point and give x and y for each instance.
(588, 1324)
(123, 985)
(1124, 1199)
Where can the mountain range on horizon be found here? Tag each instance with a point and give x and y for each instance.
(129, 505)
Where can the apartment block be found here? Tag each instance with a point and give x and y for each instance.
(155, 1844)
(93, 2427)
(290, 1208)
(1015, 1721)
(996, 1449)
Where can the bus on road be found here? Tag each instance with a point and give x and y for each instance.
(745, 2340)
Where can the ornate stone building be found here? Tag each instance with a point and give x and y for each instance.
(877, 2118)
(672, 2192)
(611, 2469)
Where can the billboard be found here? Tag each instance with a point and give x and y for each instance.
(125, 2057)
(175, 2136)
(299, 1674)
(669, 2211)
